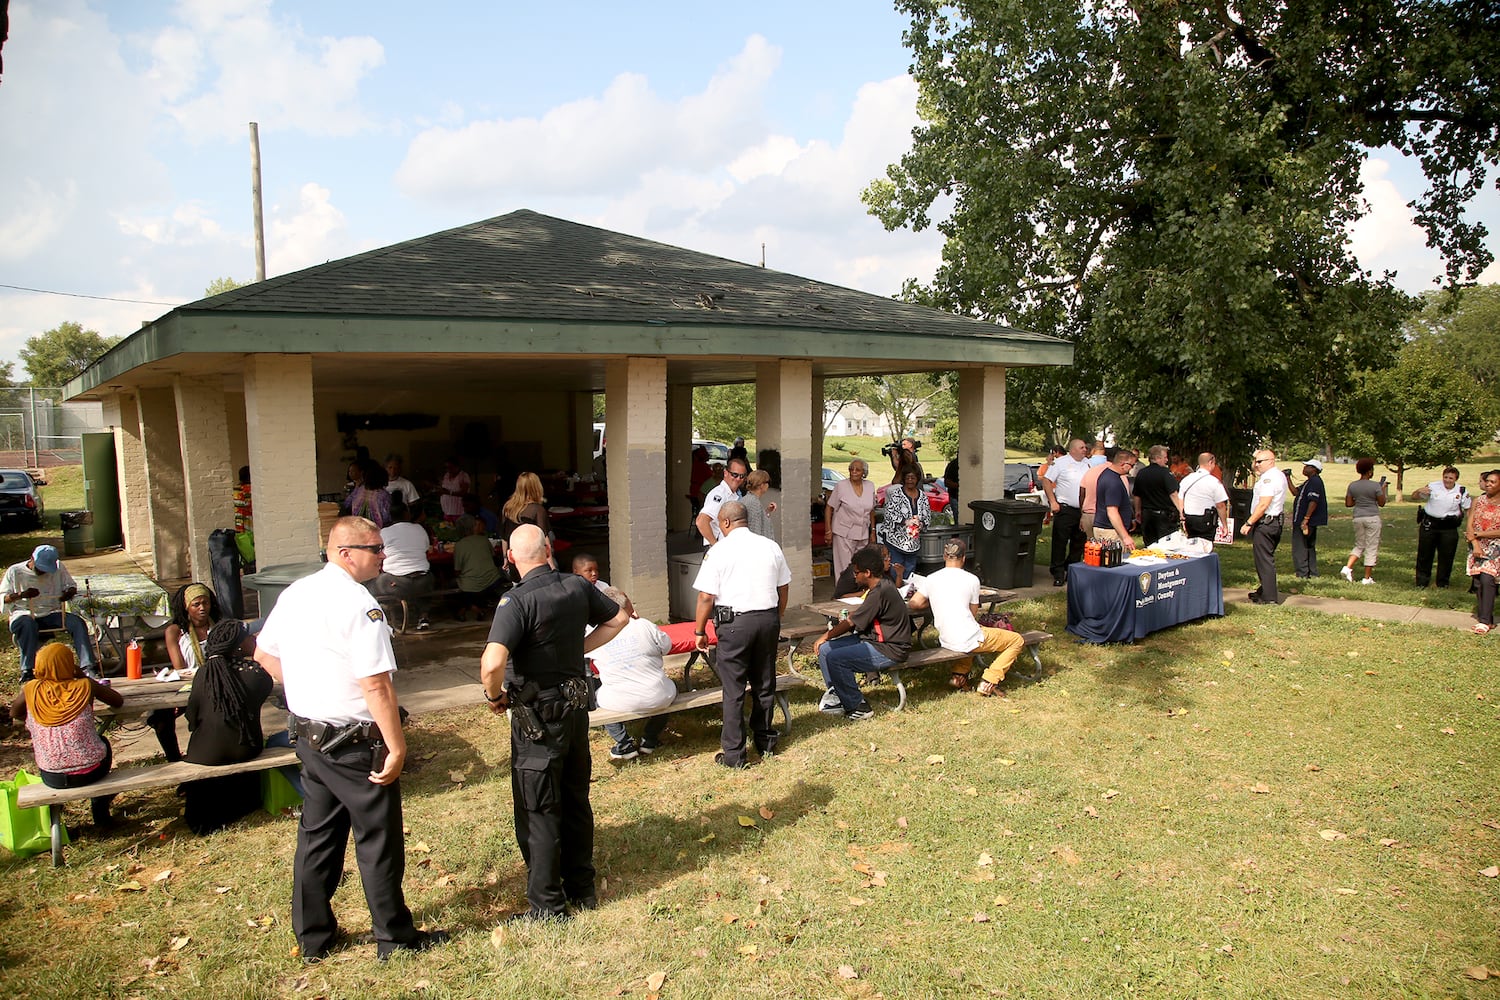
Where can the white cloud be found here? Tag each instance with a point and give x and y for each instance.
(595, 145)
(1386, 238)
(312, 232)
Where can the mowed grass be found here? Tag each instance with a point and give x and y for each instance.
(1274, 804)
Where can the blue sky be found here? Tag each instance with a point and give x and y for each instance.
(124, 160)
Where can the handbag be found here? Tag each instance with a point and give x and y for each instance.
(25, 832)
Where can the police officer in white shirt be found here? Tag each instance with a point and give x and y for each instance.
(1442, 514)
(1205, 503)
(707, 522)
(743, 583)
(329, 644)
(1061, 486)
(1268, 501)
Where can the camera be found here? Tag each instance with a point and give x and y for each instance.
(895, 446)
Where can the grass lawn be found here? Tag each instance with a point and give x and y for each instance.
(1277, 804)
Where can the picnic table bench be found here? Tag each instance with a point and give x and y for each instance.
(702, 698)
(140, 779)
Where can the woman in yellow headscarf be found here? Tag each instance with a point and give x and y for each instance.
(57, 706)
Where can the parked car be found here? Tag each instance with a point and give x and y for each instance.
(831, 478)
(718, 451)
(1020, 478)
(20, 500)
(937, 496)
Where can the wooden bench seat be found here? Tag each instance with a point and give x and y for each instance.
(702, 698)
(927, 657)
(140, 779)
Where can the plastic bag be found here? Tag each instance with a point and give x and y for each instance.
(276, 793)
(25, 832)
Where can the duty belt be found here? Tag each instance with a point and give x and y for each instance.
(329, 736)
(533, 705)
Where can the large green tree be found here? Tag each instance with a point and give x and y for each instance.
(724, 412)
(1170, 185)
(1464, 326)
(62, 353)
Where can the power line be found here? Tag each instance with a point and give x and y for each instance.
(80, 295)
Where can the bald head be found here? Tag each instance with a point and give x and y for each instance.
(528, 545)
(731, 515)
(352, 531)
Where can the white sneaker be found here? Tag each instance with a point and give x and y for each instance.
(1366, 581)
(831, 703)
(1347, 574)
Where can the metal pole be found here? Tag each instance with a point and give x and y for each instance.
(260, 225)
(35, 462)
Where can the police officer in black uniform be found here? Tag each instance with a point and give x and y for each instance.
(329, 643)
(533, 664)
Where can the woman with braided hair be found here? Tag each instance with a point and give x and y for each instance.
(223, 713)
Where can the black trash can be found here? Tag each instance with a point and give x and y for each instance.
(224, 560)
(1006, 534)
(1239, 507)
(78, 532)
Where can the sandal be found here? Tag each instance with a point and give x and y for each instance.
(959, 682)
(988, 690)
(1481, 629)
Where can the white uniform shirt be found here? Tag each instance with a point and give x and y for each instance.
(743, 572)
(22, 577)
(717, 497)
(405, 549)
(1272, 483)
(328, 632)
(1066, 475)
(1443, 502)
(1200, 491)
(403, 488)
(630, 671)
(952, 592)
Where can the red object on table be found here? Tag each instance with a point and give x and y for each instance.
(683, 639)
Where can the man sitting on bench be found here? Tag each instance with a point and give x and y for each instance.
(883, 640)
(34, 592)
(953, 595)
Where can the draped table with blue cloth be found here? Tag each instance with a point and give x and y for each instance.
(1127, 602)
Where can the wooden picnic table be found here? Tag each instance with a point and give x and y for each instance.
(144, 696)
(988, 598)
(120, 603)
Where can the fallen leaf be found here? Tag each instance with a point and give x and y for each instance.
(1228, 654)
(179, 943)
(901, 822)
(747, 949)
(981, 918)
(654, 981)
(864, 868)
(1312, 767)
(1478, 972)
(1091, 812)
(847, 972)
(1347, 892)
(936, 758)
(221, 889)
(1448, 731)
(767, 813)
(1491, 871)
(1332, 835)
(971, 790)
(498, 938)
(131, 886)
(730, 918)
(1490, 823)
(1371, 673)
(856, 901)
(746, 821)
(1388, 842)
(421, 847)
(704, 840)
(1227, 949)
(457, 777)
(1002, 900)
(1259, 788)
(1006, 762)
(1066, 854)
(163, 876)
(985, 860)
(1109, 794)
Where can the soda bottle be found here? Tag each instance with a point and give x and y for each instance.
(133, 660)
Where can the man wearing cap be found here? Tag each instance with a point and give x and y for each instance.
(34, 592)
(1309, 513)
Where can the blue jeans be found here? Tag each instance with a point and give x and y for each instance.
(26, 630)
(908, 560)
(840, 659)
(651, 734)
(292, 773)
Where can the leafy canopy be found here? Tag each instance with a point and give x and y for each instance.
(62, 353)
(1170, 186)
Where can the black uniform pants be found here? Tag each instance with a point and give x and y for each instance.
(1305, 552)
(747, 655)
(549, 787)
(1265, 536)
(1067, 540)
(1441, 543)
(338, 795)
(1158, 524)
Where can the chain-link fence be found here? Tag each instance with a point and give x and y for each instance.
(39, 430)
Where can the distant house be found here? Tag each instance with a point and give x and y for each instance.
(497, 335)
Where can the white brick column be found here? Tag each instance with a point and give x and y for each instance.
(679, 456)
(981, 436)
(165, 494)
(203, 430)
(816, 426)
(283, 460)
(635, 392)
(122, 415)
(783, 411)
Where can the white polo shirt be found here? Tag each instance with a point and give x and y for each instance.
(744, 571)
(328, 632)
(1443, 502)
(1272, 483)
(717, 497)
(1200, 491)
(1066, 475)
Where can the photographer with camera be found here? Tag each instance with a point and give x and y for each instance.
(903, 456)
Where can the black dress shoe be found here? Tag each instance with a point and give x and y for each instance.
(722, 762)
(1059, 583)
(424, 941)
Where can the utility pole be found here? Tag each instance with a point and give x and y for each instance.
(260, 224)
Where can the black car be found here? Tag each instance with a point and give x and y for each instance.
(20, 500)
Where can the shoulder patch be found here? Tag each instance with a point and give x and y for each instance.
(375, 615)
(504, 601)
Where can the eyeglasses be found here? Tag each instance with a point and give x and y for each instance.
(1258, 461)
(377, 549)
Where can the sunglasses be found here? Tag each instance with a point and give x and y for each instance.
(735, 475)
(366, 548)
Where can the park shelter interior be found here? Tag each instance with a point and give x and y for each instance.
(501, 332)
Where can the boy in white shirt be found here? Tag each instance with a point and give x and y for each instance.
(953, 595)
